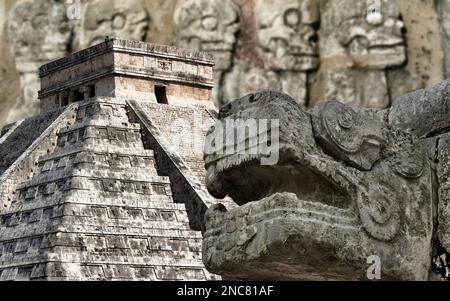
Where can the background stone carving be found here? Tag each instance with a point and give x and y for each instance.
(209, 25)
(287, 47)
(38, 32)
(101, 17)
(359, 41)
(248, 69)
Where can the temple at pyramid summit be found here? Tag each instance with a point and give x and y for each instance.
(107, 183)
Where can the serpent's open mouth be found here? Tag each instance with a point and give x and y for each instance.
(245, 180)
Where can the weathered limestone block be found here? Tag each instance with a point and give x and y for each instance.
(424, 49)
(350, 184)
(423, 112)
(443, 7)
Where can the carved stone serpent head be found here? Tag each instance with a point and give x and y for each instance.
(348, 185)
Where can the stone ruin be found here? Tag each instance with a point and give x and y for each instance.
(107, 183)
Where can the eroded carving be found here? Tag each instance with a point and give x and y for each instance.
(38, 32)
(287, 45)
(124, 19)
(359, 41)
(350, 183)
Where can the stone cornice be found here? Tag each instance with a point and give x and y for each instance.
(125, 46)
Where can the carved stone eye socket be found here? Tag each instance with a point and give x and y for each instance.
(253, 98)
(374, 16)
(210, 23)
(292, 18)
(118, 21)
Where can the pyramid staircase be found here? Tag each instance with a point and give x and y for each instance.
(93, 204)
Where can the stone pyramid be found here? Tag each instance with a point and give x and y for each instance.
(97, 187)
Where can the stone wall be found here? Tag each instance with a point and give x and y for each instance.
(245, 55)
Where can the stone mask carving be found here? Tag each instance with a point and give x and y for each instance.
(371, 32)
(359, 41)
(124, 19)
(211, 26)
(288, 43)
(350, 183)
(208, 25)
(287, 34)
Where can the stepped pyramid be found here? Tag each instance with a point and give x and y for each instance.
(107, 183)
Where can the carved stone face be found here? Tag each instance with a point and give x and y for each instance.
(208, 25)
(124, 19)
(39, 32)
(371, 32)
(287, 34)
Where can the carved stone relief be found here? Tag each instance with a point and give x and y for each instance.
(350, 183)
(127, 19)
(287, 46)
(39, 32)
(209, 25)
(359, 45)
(359, 41)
